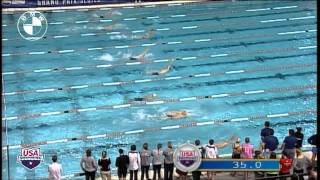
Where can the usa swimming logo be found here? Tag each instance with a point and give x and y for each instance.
(187, 158)
(30, 158)
(32, 25)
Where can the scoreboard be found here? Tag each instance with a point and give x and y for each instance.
(239, 165)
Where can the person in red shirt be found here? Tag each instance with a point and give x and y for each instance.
(285, 164)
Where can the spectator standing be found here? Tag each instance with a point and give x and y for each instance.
(211, 152)
(313, 141)
(157, 155)
(266, 130)
(236, 152)
(168, 162)
(145, 156)
(289, 144)
(300, 164)
(196, 174)
(269, 144)
(247, 152)
(89, 165)
(105, 163)
(299, 135)
(134, 162)
(122, 163)
(286, 163)
(55, 169)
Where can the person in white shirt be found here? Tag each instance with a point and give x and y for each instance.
(55, 169)
(211, 152)
(134, 162)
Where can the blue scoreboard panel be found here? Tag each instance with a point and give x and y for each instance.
(239, 165)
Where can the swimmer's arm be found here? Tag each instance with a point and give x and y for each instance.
(225, 143)
(222, 145)
(145, 52)
(170, 65)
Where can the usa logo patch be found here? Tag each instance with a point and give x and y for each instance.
(30, 158)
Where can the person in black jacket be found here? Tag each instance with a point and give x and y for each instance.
(122, 163)
(104, 163)
(196, 174)
(313, 141)
(299, 135)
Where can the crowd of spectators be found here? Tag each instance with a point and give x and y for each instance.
(292, 161)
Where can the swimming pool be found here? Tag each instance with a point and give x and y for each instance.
(236, 64)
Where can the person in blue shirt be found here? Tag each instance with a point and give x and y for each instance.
(269, 144)
(266, 130)
(289, 144)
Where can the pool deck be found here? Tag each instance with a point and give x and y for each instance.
(8, 10)
(219, 175)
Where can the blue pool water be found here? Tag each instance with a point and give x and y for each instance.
(257, 58)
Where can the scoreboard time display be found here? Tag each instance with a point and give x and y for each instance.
(239, 165)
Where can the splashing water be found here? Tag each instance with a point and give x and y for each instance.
(106, 57)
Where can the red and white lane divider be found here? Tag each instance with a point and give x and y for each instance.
(139, 81)
(152, 17)
(160, 101)
(239, 53)
(153, 129)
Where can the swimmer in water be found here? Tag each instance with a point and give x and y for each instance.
(147, 98)
(176, 114)
(149, 34)
(162, 71)
(141, 56)
(109, 27)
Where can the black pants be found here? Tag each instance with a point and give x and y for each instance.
(300, 177)
(145, 170)
(282, 174)
(90, 175)
(168, 171)
(156, 169)
(134, 173)
(196, 175)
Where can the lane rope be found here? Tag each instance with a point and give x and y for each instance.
(139, 81)
(60, 69)
(154, 129)
(156, 102)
